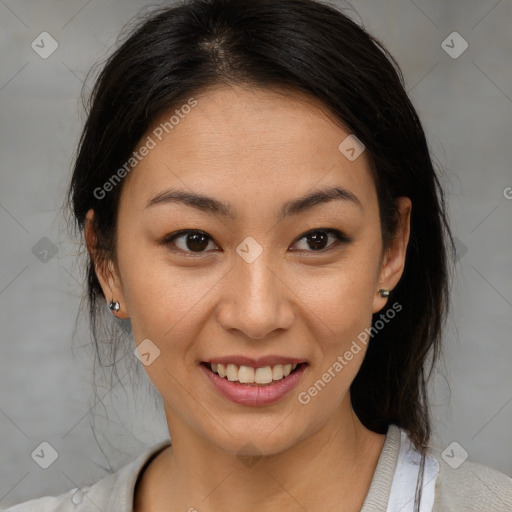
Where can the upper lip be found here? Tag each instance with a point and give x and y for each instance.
(260, 362)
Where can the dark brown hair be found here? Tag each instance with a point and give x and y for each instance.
(313, 48)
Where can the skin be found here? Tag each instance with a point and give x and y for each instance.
(255, 149)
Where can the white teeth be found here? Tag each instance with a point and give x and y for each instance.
(249, 375)
(232, 372)
(277, 372)
(263, 375)
(246, 374)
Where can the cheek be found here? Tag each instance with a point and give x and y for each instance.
(342, 302)
(342, 296)
(163, 300)
(339, 306)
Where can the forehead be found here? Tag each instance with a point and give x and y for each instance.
(246, 142)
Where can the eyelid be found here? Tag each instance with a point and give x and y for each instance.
(167, 241)
(341, 238)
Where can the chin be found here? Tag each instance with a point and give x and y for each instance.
(267, 437)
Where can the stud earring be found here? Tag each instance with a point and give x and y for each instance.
(384, 293)
(114, 306)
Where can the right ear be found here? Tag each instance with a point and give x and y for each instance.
(105, 270)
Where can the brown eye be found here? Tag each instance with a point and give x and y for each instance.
(192, 241)
(318, 239)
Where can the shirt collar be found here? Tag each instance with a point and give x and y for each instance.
(380, 488)
(122, 495)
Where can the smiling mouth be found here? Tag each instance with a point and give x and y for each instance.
(263, 376)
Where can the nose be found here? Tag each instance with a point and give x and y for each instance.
(256, 299)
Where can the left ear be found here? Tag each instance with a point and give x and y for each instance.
(393, 262)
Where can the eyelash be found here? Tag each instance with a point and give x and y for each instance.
(341, 238)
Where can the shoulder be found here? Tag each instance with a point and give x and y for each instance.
(469, 486)
(68, 501)
(88, 498)
(110, 494)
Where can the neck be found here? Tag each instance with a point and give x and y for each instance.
(340, 459)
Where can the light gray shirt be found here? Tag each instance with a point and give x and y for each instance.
(450, 484)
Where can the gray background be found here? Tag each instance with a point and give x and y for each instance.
(46, 381)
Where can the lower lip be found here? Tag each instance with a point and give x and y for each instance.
(254, 395)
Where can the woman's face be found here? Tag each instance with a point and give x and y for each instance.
(252, 288)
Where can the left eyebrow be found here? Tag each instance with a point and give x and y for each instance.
(294, 207)
(318, 197)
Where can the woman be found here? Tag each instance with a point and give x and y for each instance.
(257, 197)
